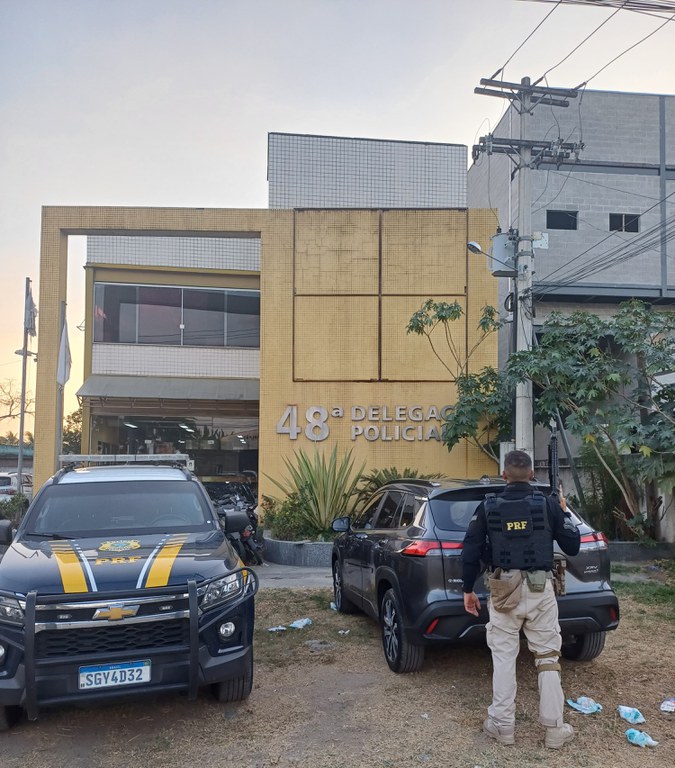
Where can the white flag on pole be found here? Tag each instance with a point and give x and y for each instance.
(63, 369)
(30, 313)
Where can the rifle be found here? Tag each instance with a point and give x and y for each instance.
(559, 562)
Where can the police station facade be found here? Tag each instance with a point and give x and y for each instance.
(239, 336)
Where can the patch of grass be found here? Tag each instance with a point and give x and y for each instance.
(623, 568)
(661, 596)
(279, 607)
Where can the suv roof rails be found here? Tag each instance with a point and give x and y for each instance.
(425, 483)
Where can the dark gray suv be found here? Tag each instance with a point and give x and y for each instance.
(400, 562)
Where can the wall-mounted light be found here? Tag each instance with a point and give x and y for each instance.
(130, 425)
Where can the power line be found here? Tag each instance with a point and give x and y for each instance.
(525, 40)
(607, 186)
(586, 39)
(588, 250)
(646, 242)
(630, 48)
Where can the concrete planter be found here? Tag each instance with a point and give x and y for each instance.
(311, 554)
(631, 551)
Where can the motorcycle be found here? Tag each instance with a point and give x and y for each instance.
(240, 522)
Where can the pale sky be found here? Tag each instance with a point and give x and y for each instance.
(169, 102)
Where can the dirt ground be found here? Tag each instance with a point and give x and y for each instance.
(336, 703)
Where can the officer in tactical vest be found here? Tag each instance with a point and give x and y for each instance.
(514, 534)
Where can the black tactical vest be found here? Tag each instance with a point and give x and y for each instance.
(519, 532)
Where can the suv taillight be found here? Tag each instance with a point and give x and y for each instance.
(423, 548)
(595, 540)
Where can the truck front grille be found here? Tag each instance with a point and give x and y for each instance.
(131, 637)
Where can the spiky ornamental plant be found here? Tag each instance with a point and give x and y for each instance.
(328, 484)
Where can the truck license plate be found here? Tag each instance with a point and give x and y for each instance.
(112, 675)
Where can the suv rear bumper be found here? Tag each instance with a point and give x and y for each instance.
(579, 613)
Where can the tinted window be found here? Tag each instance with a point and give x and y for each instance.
(407, 511)
(561, 219)
(5, 481)
(367, 517)
(624, 222)
(453, 511)
(159, 315)
(204, 318)
(119, 507)
(243, 319)
(388, 511)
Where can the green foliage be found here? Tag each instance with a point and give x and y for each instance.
(436, 316)
(605, 375)
(72, 432)
(482, 413)
(13, 509)
(325, 486)
(601, 494)
(287, 519)
(376, 478)
(648, 593)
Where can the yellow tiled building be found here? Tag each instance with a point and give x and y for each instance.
(333, 365)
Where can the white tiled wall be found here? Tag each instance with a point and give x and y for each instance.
(338, 172)
(148, 360)
(240, 253)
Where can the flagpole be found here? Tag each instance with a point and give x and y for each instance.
(22, 412)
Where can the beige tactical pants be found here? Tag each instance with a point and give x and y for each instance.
(537, 615)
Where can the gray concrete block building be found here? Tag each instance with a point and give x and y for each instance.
(608, 218)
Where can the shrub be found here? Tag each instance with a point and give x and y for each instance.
(13, 509)
(287, 519)
(319, 489)
(375, 479)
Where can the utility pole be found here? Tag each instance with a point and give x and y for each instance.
(525, 155)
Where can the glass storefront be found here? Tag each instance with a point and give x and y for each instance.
(217, 445)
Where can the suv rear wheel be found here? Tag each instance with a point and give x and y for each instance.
(342, 603)
(584, 647)
(400, 653)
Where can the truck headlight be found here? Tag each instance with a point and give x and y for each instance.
(223, 589)
(10, 610)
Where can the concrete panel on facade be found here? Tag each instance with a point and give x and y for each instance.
(336, 253)
(424, 252)
(336, 338)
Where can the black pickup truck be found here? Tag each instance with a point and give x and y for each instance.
(118, 581)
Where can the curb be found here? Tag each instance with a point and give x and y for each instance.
(310, 554)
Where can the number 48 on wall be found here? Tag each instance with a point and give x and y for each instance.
(316, 428)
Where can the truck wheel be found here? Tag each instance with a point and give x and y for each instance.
(237, 689)
(584, 647)
(400, 653)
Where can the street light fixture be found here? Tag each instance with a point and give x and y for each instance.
(502, 246)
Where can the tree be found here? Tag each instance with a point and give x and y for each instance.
(609, 380)
(482, 413)
(10, 438)
(10, 400)
(72, 432)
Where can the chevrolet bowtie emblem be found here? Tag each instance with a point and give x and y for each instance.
(116, 611)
